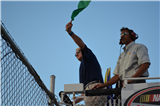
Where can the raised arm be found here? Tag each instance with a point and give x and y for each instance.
(76, 39)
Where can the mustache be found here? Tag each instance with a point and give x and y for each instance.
(120, 41)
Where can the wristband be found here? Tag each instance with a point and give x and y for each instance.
(71, 33)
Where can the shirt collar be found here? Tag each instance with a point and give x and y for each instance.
(129, 46)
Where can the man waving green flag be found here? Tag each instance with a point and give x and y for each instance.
(82, 5)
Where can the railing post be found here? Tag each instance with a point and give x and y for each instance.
(74, 99)
(52, 83)
(52, 86)
(62, 95)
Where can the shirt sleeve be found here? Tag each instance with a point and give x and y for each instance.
(87, 53)
(142, 54)
(116, 70)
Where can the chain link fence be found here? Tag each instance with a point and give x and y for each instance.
(20, 85)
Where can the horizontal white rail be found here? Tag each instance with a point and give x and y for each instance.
(139, 78)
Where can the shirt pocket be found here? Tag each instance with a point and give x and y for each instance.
(131, 60)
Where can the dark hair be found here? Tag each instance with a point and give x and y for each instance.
(132, 34)
(124, 28)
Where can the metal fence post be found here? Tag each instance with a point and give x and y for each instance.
(52, 83)
(52, 87)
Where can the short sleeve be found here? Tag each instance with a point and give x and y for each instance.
(87, 53)
(142, 54)
(116, 72)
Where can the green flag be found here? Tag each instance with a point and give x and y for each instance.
(82, 5)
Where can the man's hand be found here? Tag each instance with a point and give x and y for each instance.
(69, 26)
(98, 86)
(78, 99)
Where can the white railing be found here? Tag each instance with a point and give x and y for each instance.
(105, 97)
(72, 93)
(139, 78)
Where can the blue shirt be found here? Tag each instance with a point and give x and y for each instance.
(90, 69)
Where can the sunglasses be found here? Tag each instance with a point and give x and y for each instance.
(77, 52)
(125, 33)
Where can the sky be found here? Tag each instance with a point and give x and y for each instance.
(38, 28)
